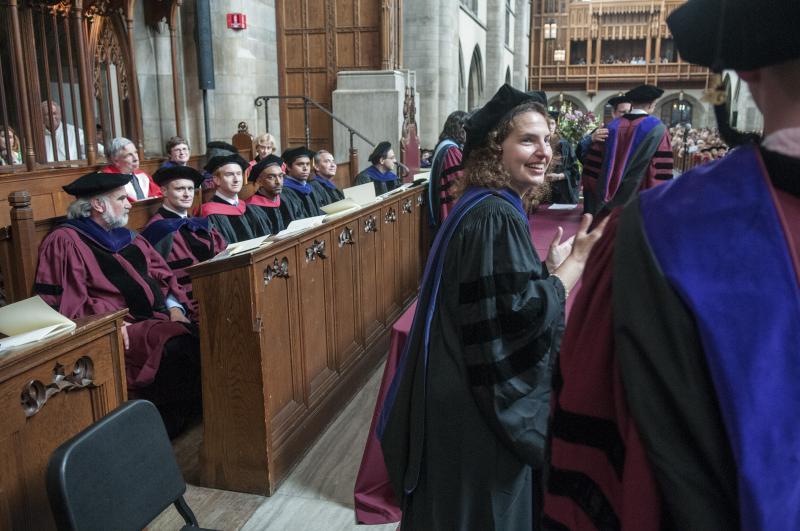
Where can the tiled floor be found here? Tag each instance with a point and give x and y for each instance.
(317, 495)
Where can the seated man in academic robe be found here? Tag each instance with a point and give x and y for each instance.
(225, 211)
(298, 194)
(268, 176)
(636, 155)
(381, 173)
(92, 264)
(324, 172)
(125, 160)
(182, 240)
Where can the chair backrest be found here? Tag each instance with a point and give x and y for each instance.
(119, 473)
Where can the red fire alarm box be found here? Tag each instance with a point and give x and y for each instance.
(237, 21)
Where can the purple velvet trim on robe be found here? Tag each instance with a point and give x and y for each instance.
(376, 175)
(113, 240)
(607, 171)
(717, 237)
(298, 186)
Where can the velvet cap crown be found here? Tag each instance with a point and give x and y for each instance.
(737, 34)
(170, 173)
(644, 94)
(266, 162)
(219, 161)
(292, 154)
(96, 183)
(482, 121)
(380, 152)
(616, 100)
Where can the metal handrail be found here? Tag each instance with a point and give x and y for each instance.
(264, 100)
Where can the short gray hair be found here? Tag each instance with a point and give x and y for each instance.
(82, 207)
(117, 145)
(318, 155)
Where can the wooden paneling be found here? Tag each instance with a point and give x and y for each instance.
(346, 302)
(317, 39)
(26, 442)
(281, 359)
(370, 279)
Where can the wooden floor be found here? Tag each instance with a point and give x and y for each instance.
(317, 496)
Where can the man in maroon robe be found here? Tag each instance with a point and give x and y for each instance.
(92, 264)
(635, 155)
(181, 239)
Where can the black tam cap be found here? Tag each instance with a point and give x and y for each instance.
(170, 173)
(380, 152)
(263, 164)
(292, 154)
(487, 117)
(217, 147)
(737, 34)
(554, 114)
(219, 161)
(96, 183)
(616, 100)
(644, 94)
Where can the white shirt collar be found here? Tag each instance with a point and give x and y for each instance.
(165, 206)
(784, 141)
(637, 111)
(232, 200)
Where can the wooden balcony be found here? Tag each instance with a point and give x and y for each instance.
(595, 77)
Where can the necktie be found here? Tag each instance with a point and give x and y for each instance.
(137, 188)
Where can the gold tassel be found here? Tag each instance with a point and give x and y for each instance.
(718, 93)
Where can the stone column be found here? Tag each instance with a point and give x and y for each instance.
(495, 44)
(447, 71)
(421, 53)
(522, 38)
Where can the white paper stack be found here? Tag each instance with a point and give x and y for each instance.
(30, 320)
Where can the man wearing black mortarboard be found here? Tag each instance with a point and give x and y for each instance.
(226, 212)
(636, 155)
(298, 194)
(92, 264)
(381, 172)
(693, 366)
(268, 177)
(620, 105)
(183, 240)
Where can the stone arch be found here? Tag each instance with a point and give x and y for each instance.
(475, 80)
(555, 102)
(698, 110)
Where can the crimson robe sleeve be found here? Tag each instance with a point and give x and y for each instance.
(451, 170)
(661, 165)
(158, 269)
(61, 278)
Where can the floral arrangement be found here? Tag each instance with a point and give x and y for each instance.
(573, 124)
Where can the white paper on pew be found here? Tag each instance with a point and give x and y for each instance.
(426, 176)
(30, 320)
(343, 205)
(297, 226)
(247, 245)
(363, 194)
(562, 206)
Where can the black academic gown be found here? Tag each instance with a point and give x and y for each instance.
(381, 187)
(493, 342)
(325, 194)
(566, 190)
(279, 217)
(249, 225)
(300, 205)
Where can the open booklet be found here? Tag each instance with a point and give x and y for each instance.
(30, 320)
(297, 226)
(340, 208)
(242, 247)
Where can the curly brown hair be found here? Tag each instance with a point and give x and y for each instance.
(484, 164)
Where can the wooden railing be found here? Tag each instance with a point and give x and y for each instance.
(614, 73)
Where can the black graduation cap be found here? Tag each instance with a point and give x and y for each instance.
(644, 94)
(380, 152)
(96, 183)
(266, 162)
(292, 154)
(482, 121)
(737, 34)
(616, 100)
(216, 148)
(554, 114)
(166, 174)
(219, 161)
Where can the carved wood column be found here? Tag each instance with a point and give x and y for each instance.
(133, 81)
(84, 83)
(22, 229)
(27, 131)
